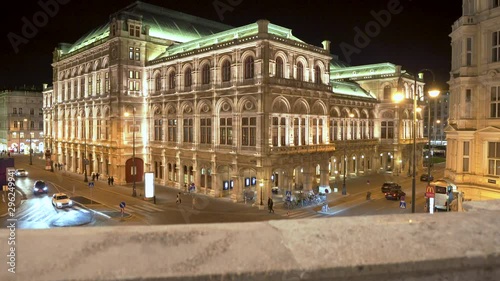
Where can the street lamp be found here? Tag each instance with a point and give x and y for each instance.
(261, 188)
(399, 97)
(134, 171)
(31, 146)
(85, 178)
(344, 136)
(432, 94)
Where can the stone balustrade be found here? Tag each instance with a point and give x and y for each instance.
(442, 246)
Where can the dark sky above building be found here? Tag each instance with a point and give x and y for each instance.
(411, 33)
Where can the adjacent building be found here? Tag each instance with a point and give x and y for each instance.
(473, 132)
(21, 121)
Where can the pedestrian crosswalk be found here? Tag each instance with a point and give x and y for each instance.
(46, 214)
(301, 214)
(142, 209)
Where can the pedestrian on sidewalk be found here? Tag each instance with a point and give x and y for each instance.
(178, 200)
(109, 180)
(93, 176)
(270, 204)
(97, 176)
(112, 180)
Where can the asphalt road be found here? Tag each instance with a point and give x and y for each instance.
(99, 206)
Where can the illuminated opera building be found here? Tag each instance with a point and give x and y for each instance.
(226, 108)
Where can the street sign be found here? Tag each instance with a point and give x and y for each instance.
(288, 193)
(122, 205)
(429, 191)
(91, 184)
(402, 204)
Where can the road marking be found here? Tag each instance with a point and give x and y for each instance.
(80, 209)
(141, 208)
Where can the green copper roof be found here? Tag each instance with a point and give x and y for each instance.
(351, 89)
(228, 35)
(164, 23)
(338, 71)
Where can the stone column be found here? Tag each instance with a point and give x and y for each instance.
(324, 175)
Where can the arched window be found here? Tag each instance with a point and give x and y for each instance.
(300, 71)
(171, 80)
(279, 67)
(226, 71)
(188, 81)
(205, 74)
(249, 68)
(317, 75)
(158, 82)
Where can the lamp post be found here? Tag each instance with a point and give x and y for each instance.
(31, 146)
(399, 97)
(261, 188)
(429, 135)
(134, 171)
(344, 136)
(85, 178)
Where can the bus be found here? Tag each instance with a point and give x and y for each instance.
(443, 193)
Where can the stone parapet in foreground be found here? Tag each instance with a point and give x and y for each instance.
(442, 246)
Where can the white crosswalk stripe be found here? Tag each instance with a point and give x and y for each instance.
(142, 208)
(302, 214)
(41, 214)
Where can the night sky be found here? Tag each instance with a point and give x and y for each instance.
(416, 36)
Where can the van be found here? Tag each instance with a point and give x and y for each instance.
(443, 193)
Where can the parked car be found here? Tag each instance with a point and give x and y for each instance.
(21, 173)
(389, 185)
(40, 187)
(394, 194)
(61, 200)
(425, 177)
(275, 190)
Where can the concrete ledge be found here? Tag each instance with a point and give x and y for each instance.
(442, 246)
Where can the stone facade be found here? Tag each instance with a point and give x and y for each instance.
(473, 133)
(21, 115)
(229, 109)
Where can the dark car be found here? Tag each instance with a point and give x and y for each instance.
(40, 187)
(394, 194)
(389, 185)
(426, 177)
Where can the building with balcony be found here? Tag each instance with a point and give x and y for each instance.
(229, 109)
(21, 121)
(393, 121)
(473, 132)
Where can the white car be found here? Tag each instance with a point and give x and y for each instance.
(21, 173)
(61, 200)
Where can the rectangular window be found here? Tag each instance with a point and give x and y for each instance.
(206, 130)
(21, 125)
(468, 95)
(98, 84)
(495, 43)
(14, 110)
(494, 158)
(226, 131)
(15, 124)
(188, 130)
(465, 166)
(134, 30)
(82, 87)
(248, 131)
(89, 88)
(137, 54)
(130, 53)
(469, 51)
(106, 82)
(158, 133)
(495, 102)
(20, 110)
(98, 129)
(172, 130)
(40, 125)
